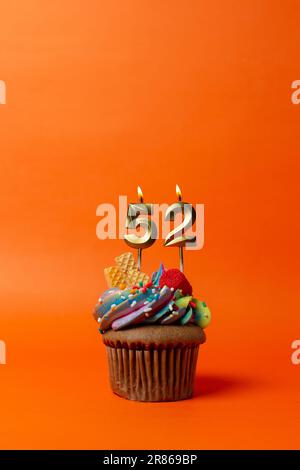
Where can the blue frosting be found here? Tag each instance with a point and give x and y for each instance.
(157, 275)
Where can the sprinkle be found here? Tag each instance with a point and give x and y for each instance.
(99, 320)
(133, 291)
(133, 303)
(153, 291)
(135, 287)
(172, 289)
(148, 309)
(144, 290)
(113, 307)
(100, 300)
(123, 297)
(192, 304)
(141, 283)
(146, 302)
(130, 296)
(171, 307)
(149, 284)
(110, 291)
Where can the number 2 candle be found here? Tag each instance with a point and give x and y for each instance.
(177, 236)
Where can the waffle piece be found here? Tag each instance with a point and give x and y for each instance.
(126, 262)
(134, 277)
(115, 277)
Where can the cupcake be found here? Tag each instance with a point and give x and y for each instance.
(152, 330)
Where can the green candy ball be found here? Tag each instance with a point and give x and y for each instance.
(202, 314)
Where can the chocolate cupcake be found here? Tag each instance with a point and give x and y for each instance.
(152, 331)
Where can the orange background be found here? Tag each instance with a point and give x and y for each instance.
(103, 96)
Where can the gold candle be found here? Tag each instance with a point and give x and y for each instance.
(141, 200)
(177, 237)
(134, 220)
(181, 263)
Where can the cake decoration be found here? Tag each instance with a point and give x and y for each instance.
(175, 278)
(165, 300)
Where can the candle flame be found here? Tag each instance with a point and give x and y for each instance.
(140, 194)
(178, 192)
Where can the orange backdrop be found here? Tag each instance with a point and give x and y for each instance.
(103, 96)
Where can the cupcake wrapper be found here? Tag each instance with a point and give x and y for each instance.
(153, 375)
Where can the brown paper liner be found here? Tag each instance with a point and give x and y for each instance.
(153, 375)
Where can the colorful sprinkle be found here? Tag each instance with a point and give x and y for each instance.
(133, 303)
(192, 304)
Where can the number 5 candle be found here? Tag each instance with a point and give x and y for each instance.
(134, 221)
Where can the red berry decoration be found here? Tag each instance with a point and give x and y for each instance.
(175, 278)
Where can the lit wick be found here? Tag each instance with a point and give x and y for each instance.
(141, 200)
(179, 196)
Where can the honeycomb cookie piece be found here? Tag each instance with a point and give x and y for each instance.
(115, 277)
(134, 276)
(126, 262)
